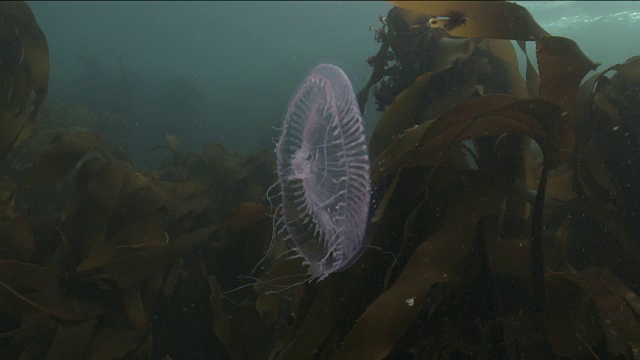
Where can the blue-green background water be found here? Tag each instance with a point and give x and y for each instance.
(224, 71)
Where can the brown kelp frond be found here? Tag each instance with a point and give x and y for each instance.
(97, 272)
(505, 220)
(24, 71)
(490, 20)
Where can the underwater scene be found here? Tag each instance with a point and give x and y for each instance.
(320, 180)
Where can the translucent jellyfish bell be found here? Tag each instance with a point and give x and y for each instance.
(323, 172)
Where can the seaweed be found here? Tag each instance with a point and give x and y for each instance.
(119, 232)
(417, 134)
(24, 70)
(504, 223)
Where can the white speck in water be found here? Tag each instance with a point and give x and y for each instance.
(411, 301)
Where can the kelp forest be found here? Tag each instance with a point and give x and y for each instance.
(506, 222)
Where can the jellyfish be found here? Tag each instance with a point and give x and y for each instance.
(323, 177)
(323, 174)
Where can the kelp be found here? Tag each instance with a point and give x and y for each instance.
(613, 301)
(493, 114)
(414, 134)
(491, 20)
(436, 260)
(64, 152)
(504, 217)
(607, 143)
(24, 70)
(108, 251)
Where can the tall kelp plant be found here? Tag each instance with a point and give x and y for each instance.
(482, 223)
(117, 267)
(505, 224)
(24, 70)
(110, 266)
